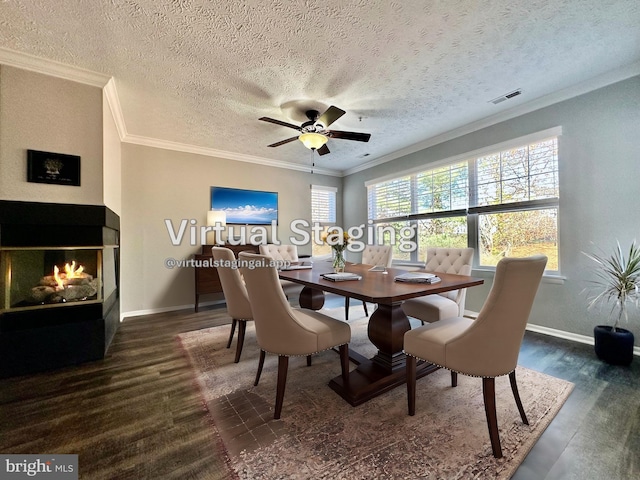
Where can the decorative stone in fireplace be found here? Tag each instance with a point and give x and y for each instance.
(59, 276)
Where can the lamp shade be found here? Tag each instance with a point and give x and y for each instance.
(312, 140)
(215, 217)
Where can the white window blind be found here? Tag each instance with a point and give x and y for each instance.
(442, 189)
(323, 204)
(524, 174)
(501, 200)
(390, 199)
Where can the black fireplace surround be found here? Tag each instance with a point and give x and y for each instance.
(40, 330)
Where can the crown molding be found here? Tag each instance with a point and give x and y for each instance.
(211, 152)
(26, 61)
(581, 88)
(52, 68)
(60, 70)
(113, 100)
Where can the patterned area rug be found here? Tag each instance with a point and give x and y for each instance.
(320, 436)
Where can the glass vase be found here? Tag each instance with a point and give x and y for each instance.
(338, 261)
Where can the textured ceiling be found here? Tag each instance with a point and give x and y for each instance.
(201, 73)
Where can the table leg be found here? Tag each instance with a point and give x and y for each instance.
(311, 298)
(387, 369)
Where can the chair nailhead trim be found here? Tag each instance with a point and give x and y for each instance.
(302, 354)
(456, 371)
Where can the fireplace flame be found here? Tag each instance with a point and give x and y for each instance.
(70, 271)
(56, 276)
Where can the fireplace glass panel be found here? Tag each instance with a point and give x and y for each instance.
(53, 277)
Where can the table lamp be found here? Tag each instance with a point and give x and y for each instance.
(217, 218)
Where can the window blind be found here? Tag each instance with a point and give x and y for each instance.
(323, 204)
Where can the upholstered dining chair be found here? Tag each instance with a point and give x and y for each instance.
(286, 331)
(283, 253)
(432, 308)
(487, 347)
(235, 295)
(280, 252)
(375, 255)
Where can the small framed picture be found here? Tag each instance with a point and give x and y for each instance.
(56, 168)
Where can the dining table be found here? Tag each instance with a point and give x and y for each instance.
(387, 324)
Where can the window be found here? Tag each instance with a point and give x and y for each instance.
(323, 211)
(502, 201)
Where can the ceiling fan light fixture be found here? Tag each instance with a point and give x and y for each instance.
(313, 141)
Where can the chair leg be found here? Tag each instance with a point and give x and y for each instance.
(364, 304)
(454, 379)
(344, 362)
(233, 330)
(346, 308)
(411, 384)
(283, 366)
(516, 395)
(242, 327)
(308, 360)
(260, 365)
(489, 394)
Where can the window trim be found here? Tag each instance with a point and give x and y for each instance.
(472, 212)
(516, 142)
(326, 188)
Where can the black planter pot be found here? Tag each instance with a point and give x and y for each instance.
(613, 347)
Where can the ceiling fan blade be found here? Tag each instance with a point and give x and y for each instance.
(282, 142)
(357, 136)
(330, 115)
(278, 122)
(323, 150)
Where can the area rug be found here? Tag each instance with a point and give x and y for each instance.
(320, 436)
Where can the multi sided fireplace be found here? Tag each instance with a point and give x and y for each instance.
(59, 275)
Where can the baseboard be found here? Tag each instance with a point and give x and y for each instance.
(151, 311)
(568, 335)
(574, 337)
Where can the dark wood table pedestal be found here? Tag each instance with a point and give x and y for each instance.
(311, 298)
(387, 325)
(386, 370)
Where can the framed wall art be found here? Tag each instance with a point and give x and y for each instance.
(245, 207)
(55, 168)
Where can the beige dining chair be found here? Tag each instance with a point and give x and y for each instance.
(287, 253)
(235, 295)
(283, 253)
(432, 308)
(487, 347)
(374, 255)
(286, 331)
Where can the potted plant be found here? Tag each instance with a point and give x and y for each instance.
(617, 284)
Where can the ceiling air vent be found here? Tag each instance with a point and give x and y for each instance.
(507, 96)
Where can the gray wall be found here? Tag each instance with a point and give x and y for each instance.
(39, 112)
(599, 187)
(161, 184)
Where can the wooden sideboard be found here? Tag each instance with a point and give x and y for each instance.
(207, 280)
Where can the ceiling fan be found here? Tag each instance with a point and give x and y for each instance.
(314, 133)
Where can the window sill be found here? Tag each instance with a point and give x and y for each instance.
(548, 278)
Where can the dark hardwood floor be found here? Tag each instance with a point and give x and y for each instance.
(135, 415)
(596, 435)
(138, 415)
